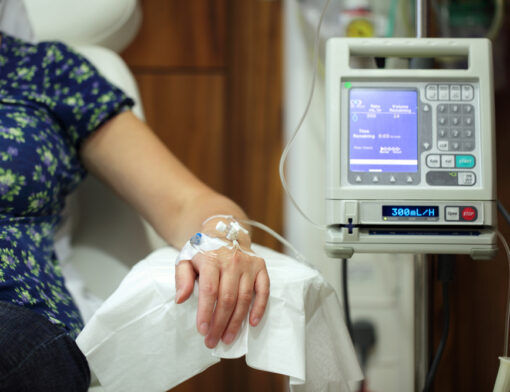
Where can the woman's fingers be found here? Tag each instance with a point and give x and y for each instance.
(208, 286)
(261, 296)
(227, 285)
(184, 281)
(227, 300)
(244, 298)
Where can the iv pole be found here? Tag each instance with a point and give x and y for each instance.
(420, 266)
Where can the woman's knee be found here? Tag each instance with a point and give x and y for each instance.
(37, 356)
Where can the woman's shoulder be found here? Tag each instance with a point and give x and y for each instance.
(44, 53)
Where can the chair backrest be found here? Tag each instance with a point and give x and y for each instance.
(111, 24)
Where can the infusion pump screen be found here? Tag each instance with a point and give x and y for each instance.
(383, 130)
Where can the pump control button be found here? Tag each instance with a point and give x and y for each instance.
(447, 161)
(467, 92)
(443, 145)
(468, 108)
(467, 178)
(442, 178)
(469, 213)
(452, 213)
(468, 146)
(431, 92)
(455, 92)
(444, 92)
(465, 161)
(433, 161)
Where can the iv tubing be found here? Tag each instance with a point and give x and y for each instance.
(307, 108)
(270, 231)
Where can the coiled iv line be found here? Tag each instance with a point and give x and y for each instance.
(288, 146)
(283, 158)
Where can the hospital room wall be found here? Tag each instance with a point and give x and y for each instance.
(209, 73)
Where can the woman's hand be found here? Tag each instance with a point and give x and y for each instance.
(227, 281)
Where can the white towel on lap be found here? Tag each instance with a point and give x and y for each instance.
(140, 339)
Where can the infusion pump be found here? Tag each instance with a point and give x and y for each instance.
(410, 152)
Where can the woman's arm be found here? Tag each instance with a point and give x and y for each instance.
(126, 155)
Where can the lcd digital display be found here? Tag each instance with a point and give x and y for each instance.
(410, 211)
(383, 130)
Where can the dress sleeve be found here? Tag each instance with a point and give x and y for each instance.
(81, 98)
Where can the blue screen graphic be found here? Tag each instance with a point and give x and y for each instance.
(383, 130)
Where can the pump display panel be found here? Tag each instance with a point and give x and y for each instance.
(410, 152)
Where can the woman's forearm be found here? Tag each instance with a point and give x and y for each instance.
(127, 156)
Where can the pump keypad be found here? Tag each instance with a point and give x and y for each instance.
(455, 127)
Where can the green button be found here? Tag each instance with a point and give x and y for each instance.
(465, 161)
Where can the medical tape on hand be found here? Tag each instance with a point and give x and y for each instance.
(200, 243)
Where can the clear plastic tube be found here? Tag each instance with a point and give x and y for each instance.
(270, 231)
(285, 152)
(497, 22)
(507, 319)
(263, 227)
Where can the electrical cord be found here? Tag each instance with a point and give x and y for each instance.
(345, 295)
(445, 275)
(497, 21)
(504, 212)
(505, 215)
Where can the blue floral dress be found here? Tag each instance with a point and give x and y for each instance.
(51, 99)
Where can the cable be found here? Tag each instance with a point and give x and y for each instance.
(300, 123)
(504, 212)
(445, 275)
(345, 295)
(506, 215)
(440, 349)
(507, 319)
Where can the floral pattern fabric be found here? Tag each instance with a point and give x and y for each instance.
(51, 99)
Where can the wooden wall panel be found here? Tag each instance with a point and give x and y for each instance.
(180, 33)
(254, 101)
(187, 113)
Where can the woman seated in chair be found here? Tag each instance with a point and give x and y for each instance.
(60, 119)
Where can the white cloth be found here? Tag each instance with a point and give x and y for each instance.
(141, 340)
